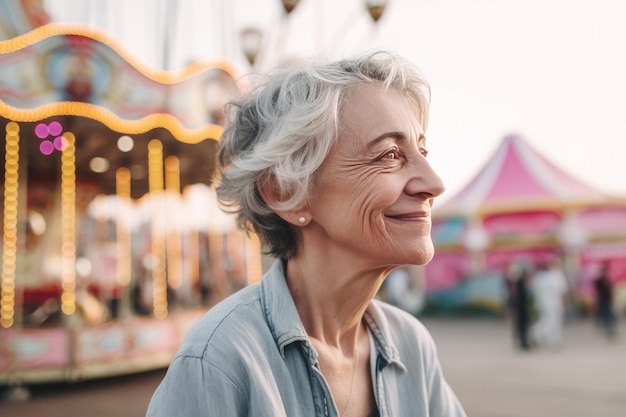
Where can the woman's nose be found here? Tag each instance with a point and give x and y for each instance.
(424, 180)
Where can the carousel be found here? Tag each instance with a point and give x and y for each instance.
(112, 241)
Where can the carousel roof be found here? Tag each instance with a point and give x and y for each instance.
(517, 178)
(79, 78)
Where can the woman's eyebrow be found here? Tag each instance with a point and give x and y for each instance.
(395, 135)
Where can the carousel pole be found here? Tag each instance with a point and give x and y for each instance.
(159, 278)
(173, 243)
(169, 28)
(23, 219)
(572, 239)
(476, 242)
(124, 238)
(68, 225)
(8, 297)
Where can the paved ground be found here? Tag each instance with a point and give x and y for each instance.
(587, 378)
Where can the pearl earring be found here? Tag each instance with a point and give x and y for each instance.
(302, 220)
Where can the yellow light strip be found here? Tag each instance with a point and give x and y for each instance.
(172, 174)
(155, 181)
(9, 238)
(68, 225)
(123, 226)
(112, 121)
(158, 75)
(174, 247)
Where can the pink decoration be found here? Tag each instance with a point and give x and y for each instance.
(41, 130)
(46, 147)
(40, 348)
(60, 143)
(523, 222)
(55, 128)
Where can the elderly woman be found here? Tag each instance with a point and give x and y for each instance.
(327, 164)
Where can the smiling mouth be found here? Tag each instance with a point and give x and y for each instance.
(409, 216)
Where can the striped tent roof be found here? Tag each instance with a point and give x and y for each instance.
(518, 178)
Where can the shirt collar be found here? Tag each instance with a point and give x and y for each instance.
(378, 325)
(279, 308)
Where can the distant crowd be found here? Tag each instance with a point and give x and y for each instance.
(537, 301)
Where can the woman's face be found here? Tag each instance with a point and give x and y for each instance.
(376, 188)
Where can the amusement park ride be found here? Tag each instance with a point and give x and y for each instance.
(112, 243)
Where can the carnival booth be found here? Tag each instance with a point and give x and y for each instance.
(112, 242)
(522, 208)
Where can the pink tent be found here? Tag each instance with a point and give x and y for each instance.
(521, 207)
(518, 178)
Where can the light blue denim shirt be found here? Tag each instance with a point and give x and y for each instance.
(250, 356)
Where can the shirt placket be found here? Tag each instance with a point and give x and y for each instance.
(322, 398)
(379, 387)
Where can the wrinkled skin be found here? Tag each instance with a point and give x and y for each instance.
(373, 200)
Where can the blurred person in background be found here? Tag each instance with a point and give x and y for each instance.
(327, 164)
(518, 301)
(511, 273)
(605, 315)
(549, 289)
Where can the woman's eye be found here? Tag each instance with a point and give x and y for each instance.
(424, 152)
(392, 154)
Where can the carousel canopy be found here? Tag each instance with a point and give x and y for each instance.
(62, 78)
(518, 178)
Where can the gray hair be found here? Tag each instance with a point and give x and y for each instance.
(283, 131)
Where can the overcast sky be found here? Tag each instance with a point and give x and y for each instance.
(552, 71)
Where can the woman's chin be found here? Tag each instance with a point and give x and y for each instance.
(425, 258)
(422, 253)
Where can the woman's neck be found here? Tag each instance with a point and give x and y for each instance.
(331, 298)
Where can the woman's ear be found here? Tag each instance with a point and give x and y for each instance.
(268, 189)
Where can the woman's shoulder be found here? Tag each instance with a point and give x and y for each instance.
(394, 314)
(401, 332)
(238, 315)
(396, 320)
